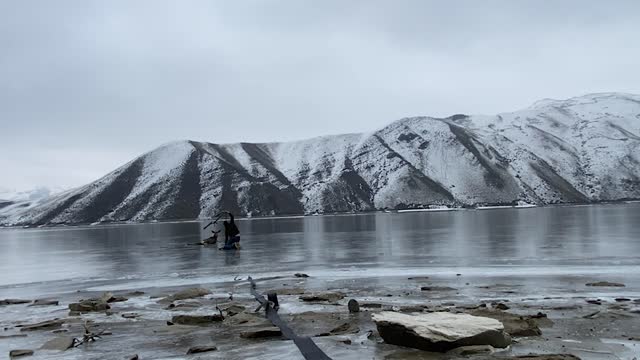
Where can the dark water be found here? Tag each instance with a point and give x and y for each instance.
(554, 241)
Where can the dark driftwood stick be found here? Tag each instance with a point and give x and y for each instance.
(307, 347)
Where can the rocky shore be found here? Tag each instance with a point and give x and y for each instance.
(417, 318)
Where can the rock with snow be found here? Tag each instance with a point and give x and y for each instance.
(579, 150)
(440, 331)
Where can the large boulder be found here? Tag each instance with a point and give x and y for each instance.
(440, 331)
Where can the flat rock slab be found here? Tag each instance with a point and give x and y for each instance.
(605, 283)
(342, 329)
(12, 336)
(440, 331)
(515, 325)
(14, 302)
(191, 293)
(45, 325)
(265, 332)
(197, 320)
(89, 305)
(44, 302)
(329, 296)
(201, 349)
(59, 343)
(20, 353)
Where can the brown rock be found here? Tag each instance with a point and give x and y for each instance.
(89, 305)
(201, 349)
(197, 320)
(501, 306)
(515, 325)
(187, 294)
(44, 325)
(20, 353)
(261, 333)
(330, 296)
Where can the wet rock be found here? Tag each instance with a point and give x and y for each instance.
(135, 293)
(130, 315)
(134, 357)
(114, 299)
(437, 288)
(201, 349)
(342, 329)
(44, 325)
(288, 291)
(186, 294)
(440, 332)
(594, 301)
(169, 323)
(248, 320)
(20, 353)
(234, 309)
(419, 278)
(472, 350)
(59, 331)
(44, 302)
(345, 341)
(408, 308)
(184, 306)
(196, 320)
(370, 305)
(59, 343)
(264, 332)
(89, 305)
(13, 302)
(622, 299)
(514, 325)
(547, 357)
(501, 306)
(330, 296)
(353, 306)
(605, 283)
(12, 336)
(301, 275)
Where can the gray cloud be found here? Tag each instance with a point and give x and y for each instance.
(87, 85)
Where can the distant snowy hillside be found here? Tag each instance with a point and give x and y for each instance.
(583, 149)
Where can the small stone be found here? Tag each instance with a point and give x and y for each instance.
(420, 278)
(130, 315)
(594, 302)
(458, 274)
(301, 275)
(345, 341)
(605, 283)
(59, 331)
(134, 357)
(20, 353)
(501, 306)
(201, 349)
(353, 306)
(169, 323)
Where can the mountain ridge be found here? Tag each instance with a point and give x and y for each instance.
(580, 150)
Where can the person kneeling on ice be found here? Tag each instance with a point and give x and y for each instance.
(231, 234)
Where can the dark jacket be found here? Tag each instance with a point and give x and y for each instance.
(230, 228)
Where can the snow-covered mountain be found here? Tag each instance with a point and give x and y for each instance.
(583, 149)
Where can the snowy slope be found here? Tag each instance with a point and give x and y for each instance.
(583, 149)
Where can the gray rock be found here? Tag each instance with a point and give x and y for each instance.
(20, 353)
(501, 306)
(59, 343)
(261, 333)
(14, 302)
(196, 320)
(301, 275)
(12, 336)
(191, 293)
(440, 331)
(44, 302)
(130, 315)
(201, 349)
(44, 325)
(605, 283)
(330, 296)
(342, 329)
(353, 306)
(234, 309)
(134, 357)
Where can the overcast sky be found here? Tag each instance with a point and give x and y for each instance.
(85, 86)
